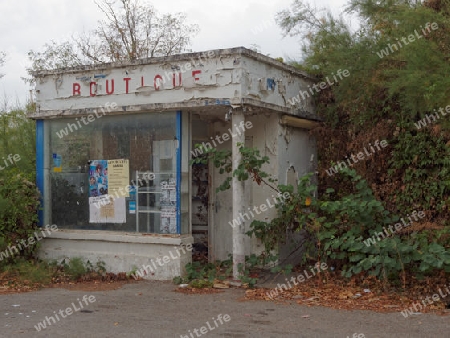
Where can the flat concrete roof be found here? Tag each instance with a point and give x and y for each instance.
(208, 80)
(177, 58)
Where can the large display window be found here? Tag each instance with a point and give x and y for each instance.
(117, 173)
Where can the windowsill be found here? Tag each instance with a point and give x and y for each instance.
(123, 237)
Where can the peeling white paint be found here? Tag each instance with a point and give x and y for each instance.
(228, 76)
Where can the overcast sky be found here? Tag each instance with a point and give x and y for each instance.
(29, 24)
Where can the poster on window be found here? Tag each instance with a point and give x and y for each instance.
(107, 209)
(168, 193)
(119, 177)
(168, 221)
(106, 206)
(168, 201)
(98, 178)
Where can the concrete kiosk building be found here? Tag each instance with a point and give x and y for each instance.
(114, 143)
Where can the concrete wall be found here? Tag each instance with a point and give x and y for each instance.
(297, 150)
(122, 252)
(272, 87)
(264, 136)
(221, 204)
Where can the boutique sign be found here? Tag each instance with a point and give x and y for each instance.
(226, 77)
(172, 81)
(104, 84)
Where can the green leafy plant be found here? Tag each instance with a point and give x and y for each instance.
(200, 283)
(338, 224)
(249, 167)
(246, 277)
(209, 272)
(100, 267)
(75, 268)
(133, 271)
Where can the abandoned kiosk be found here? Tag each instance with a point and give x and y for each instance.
(114, 143)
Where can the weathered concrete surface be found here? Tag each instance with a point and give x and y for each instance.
(152, 309)
(122, 252)
(224, 77)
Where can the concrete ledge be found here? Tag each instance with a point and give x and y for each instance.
(125, 237)
(158, 257)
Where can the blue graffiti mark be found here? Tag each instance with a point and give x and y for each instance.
(222, 102)
(97, 76)
(271, 84)
(83, 78)
(217, 102)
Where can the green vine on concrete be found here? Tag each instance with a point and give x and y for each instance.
(249, 166)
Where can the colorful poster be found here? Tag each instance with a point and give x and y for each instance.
(119, 177)
(57, 163)
(132, 207)
(132, 202)
(98, 178)
(106, 177)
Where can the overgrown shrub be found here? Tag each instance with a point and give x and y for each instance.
(420, 170)
(19, 203)
(19, 197)
(340, 220)
(76, 267)
(340, 224)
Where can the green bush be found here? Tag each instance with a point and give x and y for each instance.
(19, 203)
(18, 193)
(75, 268)
(346, 222)
(421, 161)
(339, 224)
(18, 136)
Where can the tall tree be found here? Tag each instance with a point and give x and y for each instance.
(412, 73)
(131, 29)
(398, 64)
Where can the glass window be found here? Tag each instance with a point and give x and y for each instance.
(78, 172)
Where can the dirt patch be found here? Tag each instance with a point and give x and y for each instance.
(198, 291)
(89, 282)
(91, 285)
(355, 294)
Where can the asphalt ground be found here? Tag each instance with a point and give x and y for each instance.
(154, 309)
